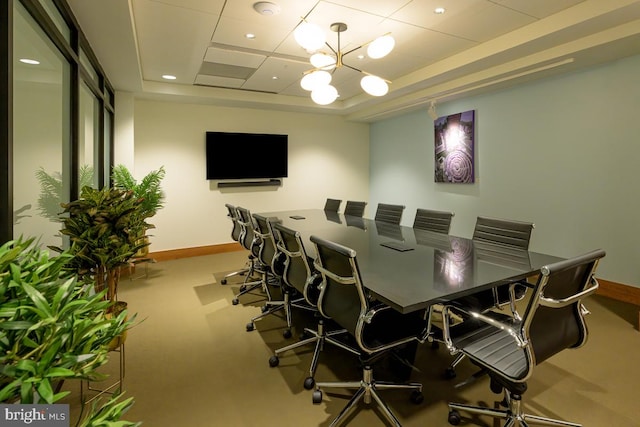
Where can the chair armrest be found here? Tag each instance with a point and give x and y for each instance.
(558, 303)
(511, 329)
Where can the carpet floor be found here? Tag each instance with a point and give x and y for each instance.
(191, 363)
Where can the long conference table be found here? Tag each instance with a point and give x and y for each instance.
(412, 269)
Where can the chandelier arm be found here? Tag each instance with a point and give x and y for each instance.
(332, 49)
(364, 72)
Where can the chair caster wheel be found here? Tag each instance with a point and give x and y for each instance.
(454, 418)
(316, 398)
(309, 382)
(242, 288)
(287, 333)
(417, 397)
(264, 308)
(223, 281)
(274, 361)
(250, 327)
(449, 373)
(495, 387)
(235, 301)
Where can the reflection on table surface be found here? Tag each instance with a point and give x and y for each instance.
(435, 268)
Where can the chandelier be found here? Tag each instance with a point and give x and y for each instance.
(318, 79)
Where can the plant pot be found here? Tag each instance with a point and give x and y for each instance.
(114, 311)
(142, 253)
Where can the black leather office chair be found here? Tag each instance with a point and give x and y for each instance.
(236, 233)
(268, 258)
(332, 205)
(354, 208)
(248, 241)
(301, 276)
(376, 327)
(389, 213)
(502, 234)
(431, 220)
(509, 349)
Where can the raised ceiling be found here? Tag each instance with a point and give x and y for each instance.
(475, 46)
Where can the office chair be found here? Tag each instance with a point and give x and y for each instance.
(332, 205)
(377, 328)
(509, 348)
(502, 234)
(430, 220)
(236, 233)
(300, 275)
(268, 258)
(354, 208)
(252, 243)
(389, 213)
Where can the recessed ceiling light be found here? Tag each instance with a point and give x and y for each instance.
(250, 36)
(274, 78)
(361, 56)
(439, 10)
(29, 61)
(168, 77)
(266, 8)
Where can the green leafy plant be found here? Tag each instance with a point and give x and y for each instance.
(148, 189)
(101, 226)
(52, 328)
(109, 414)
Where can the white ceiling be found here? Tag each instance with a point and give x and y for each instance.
(476, 46)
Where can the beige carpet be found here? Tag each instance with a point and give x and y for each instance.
(191, 363)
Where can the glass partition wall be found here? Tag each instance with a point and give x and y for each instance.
(57, 110)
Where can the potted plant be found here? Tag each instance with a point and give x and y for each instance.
(148, 189)
(102, 227)
(52, 328)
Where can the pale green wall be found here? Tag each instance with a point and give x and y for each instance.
(563, 153)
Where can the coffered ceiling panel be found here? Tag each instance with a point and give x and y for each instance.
(487, 44)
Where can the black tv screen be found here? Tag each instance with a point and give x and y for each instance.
(246, 155)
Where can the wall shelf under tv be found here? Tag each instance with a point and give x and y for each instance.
(229, 184)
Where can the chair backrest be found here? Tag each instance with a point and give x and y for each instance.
(344, 299)
(503, 232)
(430, 220)
(247, 239)
(232, 213)
(554, 318)
(354, 208)
(298, 269)
(268, 246)
(332, 205)
(389, 213)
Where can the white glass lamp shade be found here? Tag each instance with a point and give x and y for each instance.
(374, 85)
(323, 61)
(381, 47)
(315, 79)
(324, 95)
(309, 36)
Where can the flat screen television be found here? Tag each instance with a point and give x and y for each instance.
(232, 155)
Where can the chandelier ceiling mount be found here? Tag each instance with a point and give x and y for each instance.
(318, 79)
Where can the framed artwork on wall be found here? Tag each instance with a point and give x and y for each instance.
(454, 148)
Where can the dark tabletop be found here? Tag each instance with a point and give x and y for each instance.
(412, 269)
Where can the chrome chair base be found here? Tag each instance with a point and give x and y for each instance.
(513, 414)
(235, 273)
(320, 337)
(367, 389)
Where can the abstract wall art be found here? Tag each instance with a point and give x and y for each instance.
(454, 148)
